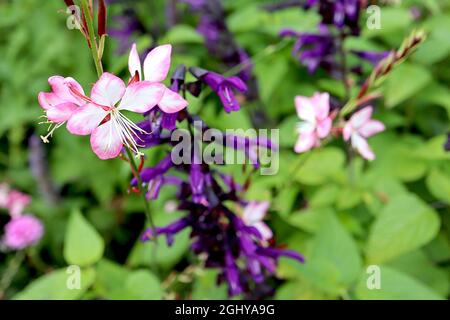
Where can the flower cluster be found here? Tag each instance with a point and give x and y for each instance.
(101, 115)
(316, 125)
(23, 230)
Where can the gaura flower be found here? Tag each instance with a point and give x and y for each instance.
(17, 202)
(359, 128)
(22, 232)
(155, 69)
(316, 123)
(102, 116)
(254, 213)
(60, 104)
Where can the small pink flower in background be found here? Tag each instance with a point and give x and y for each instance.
(156, 67)
(254, 213)
(4, 191)
(22, 232)
(109, 128)
(359, 128)
(60, 104)
(316, 124)
(17, 202)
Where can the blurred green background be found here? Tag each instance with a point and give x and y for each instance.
(344, 216)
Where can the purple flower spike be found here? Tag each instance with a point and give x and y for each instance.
(169, 231)
(224, 87)
(371, 56)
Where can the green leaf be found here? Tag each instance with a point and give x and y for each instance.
(83, 245)
(183, 34)
(110, 281)
(143, 285)
(53, 286)
(404, 82)
(405, 223)
(320, 165)
(395, 285)
(438, 182)
(205, 286)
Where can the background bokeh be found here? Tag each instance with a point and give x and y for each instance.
(342, 215)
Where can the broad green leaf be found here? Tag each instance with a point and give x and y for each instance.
(83, 245)
(205, 286)
(404, 82)
(56, 286)
(110, 279)
(182, 34)
(143, 285)
(320, 165)
(395, 285)
(406, 223)
(438, 182)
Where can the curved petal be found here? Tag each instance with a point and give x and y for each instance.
(85, 119)
(305, 109)
(360, 144)
(48, 99)
(60, 87)
(361, 117)
(255, 211)
(321, 102)
(371, 127)
(134, 62)
(324, 128)
(141, 96)
(347, 132)
(172, 102)
(305, 142)
(106, 142)
(157, 63)
(264, 230)
(108, 90)
(61, 112)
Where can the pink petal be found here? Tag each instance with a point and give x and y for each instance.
(305, 109)
(48, 99)
(108, 90)
(134, 62)
(157, 63)
(305, 142)
(172, 102)
(321, 102)
(255, 211)
(347, 132)
(60, 87)
(141, 96)
(264, 230)
(105, 141)
(85, 119)
(361, 117)
(371, 127)
(61, 112)
(360, 144)
(324, 128)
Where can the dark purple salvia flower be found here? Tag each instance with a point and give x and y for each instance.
(314, 49)
(169, 231)
(125, 26)
(371, 56)
(223, 86)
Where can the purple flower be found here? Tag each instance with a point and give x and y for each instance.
(371, 56)
(169, 231)
(224, 87)
(314, 49)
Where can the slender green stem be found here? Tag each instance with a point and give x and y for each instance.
(11, 272)
(93, 42)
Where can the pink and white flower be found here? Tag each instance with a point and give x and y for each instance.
(254, 213)
(155, 69)
(22, 232)
(60, 103)
(316, 124)
(102, 116)
(17, 202)
(359, 128)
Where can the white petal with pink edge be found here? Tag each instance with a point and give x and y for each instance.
(324, 128)
(105, 141)
(134, 62)
(172, 102)
(60, 87)
(321, 102)
(141, 96)
(371, 128)
(85, 119)
(305, 109)
(157, 63)
(360, 144)
(305, 142)
(108, 90)
(361, 117)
